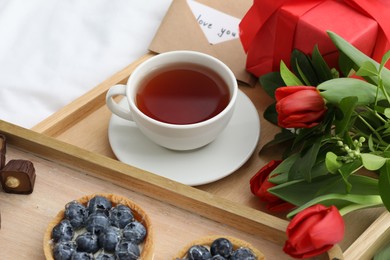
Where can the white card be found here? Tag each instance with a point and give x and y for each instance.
(216, 25)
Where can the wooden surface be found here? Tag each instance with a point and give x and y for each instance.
(83, 124)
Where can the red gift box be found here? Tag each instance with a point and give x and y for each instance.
(271, 30)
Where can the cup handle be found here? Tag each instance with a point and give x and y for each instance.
(117, 90)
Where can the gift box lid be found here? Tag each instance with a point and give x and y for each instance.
(358, 29)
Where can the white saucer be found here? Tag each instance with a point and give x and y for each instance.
(208, 164)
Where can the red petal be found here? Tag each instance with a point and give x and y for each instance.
(330, 230)
(302, 101)
(258, 179)
(283, 92)
(308, 212)
(300, 238)
(302, 118)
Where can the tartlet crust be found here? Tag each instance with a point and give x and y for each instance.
(207, 240)
(138, 212)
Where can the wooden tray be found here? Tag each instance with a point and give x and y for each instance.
(83, 124)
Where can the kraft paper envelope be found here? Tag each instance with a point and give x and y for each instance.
(181, 30)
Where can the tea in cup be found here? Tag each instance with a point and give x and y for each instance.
(181, 100)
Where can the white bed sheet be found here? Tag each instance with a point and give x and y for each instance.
(53, 51)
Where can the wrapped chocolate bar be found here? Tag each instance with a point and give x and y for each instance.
(18, 176)
(270, 30)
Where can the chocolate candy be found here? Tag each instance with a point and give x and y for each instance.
(2, 151)
(18, 176)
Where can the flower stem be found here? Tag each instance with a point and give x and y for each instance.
(377, 114)
(371, 128)
(382, 87)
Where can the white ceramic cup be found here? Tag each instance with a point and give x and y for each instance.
(174, 136)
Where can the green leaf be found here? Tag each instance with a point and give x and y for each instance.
(320, 66)
(279, 179)
(367, 69)
(384, 184)
(372, 162)
(382, 107)
(319, 169)
(345, 64)
(370, 142)
(270, 114)
(358, 58)
(347, 106)
(279, 138)
(300, 192)
(280, 173)
(270, 82)
(288, 77)
(341, 201)
(385, 59)
(302, 65)
(383, 254)
(309, 135)
(303, 76)
(346, 170)
(303, 164)
(335, 90)
(332, 164)
(387, 112)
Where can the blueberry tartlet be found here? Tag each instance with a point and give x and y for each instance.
(99, 226)
(219, 248)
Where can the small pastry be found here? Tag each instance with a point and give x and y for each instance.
(226, 246)
(100, 226)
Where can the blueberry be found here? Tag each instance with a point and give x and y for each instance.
(87, 242)
(198, 252)
(120, 216)
(63, 231)
(109, 239)
(105, 256)
(99, 204)
(82, 256)
(97, 223)
(243, 253)
(134, 232)
(218, 257)
(127, 250)
(64, 250)
(222, 247)
(76, 213)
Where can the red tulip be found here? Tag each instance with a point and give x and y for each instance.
(314, 231)
(260, 184)
(299, 106)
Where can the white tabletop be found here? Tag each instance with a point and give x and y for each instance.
(53, 51)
